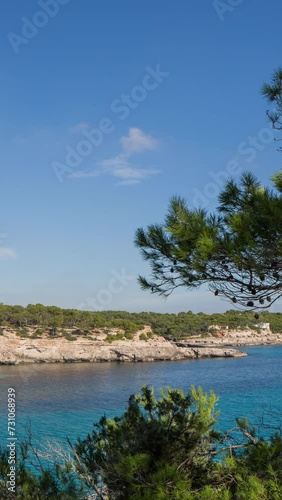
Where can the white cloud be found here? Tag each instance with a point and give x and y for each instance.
(137, 142)
(114, 162)
(7, 253)
(120, 166)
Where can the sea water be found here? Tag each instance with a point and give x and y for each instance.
(64, 400)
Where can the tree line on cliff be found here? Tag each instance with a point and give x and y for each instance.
(182, 325)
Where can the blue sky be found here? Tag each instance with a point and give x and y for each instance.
(168, 93)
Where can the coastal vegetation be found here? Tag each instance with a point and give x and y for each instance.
(235, 251)
(165, 447)
(273, 93)
(38, 320)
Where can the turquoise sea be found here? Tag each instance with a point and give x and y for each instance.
(62, 400)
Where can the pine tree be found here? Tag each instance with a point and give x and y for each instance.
(236, 251)
(273, 93)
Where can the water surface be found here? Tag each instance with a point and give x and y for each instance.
(62, 400)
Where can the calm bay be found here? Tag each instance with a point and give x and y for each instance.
(60, 400)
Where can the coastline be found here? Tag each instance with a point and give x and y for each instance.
(16, 350)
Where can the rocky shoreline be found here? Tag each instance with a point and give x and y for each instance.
(16, 350)
(235, 338)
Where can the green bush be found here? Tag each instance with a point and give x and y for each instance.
(169, 449)
(128, 335)
(159, 449)
(111, 338)
(23, 332)
(69, 337)
(143, 336)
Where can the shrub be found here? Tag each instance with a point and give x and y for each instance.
(161, 449)
(69, 337)
(153, 446)
(143, 336)
(111, 338)
(53, 332)
(169, 449)
(23, 332)
(129, 336)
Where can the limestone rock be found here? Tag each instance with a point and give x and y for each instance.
(15, 350)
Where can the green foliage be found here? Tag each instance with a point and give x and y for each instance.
(159, 448)
(124, 324)
(69, 337)
(273, 93)
(22, 332)
(168, 448)
(53, 332)
(154, 445)
(128, 335)
(143, 336)
(52, 483)
(111, 338)
(171, 326)
(236, 251)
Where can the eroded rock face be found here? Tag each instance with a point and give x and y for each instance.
(234, 338)
(15, 350)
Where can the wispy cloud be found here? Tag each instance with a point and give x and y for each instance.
(7, 253)
(114, 162)
(136, 142)
(121, 166)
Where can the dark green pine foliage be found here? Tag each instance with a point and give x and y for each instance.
(236, 251)
(155, 446)
(273, 93)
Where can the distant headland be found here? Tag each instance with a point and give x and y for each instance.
(49, 334)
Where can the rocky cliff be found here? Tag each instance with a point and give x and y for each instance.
(234, 338)
(16, 350)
